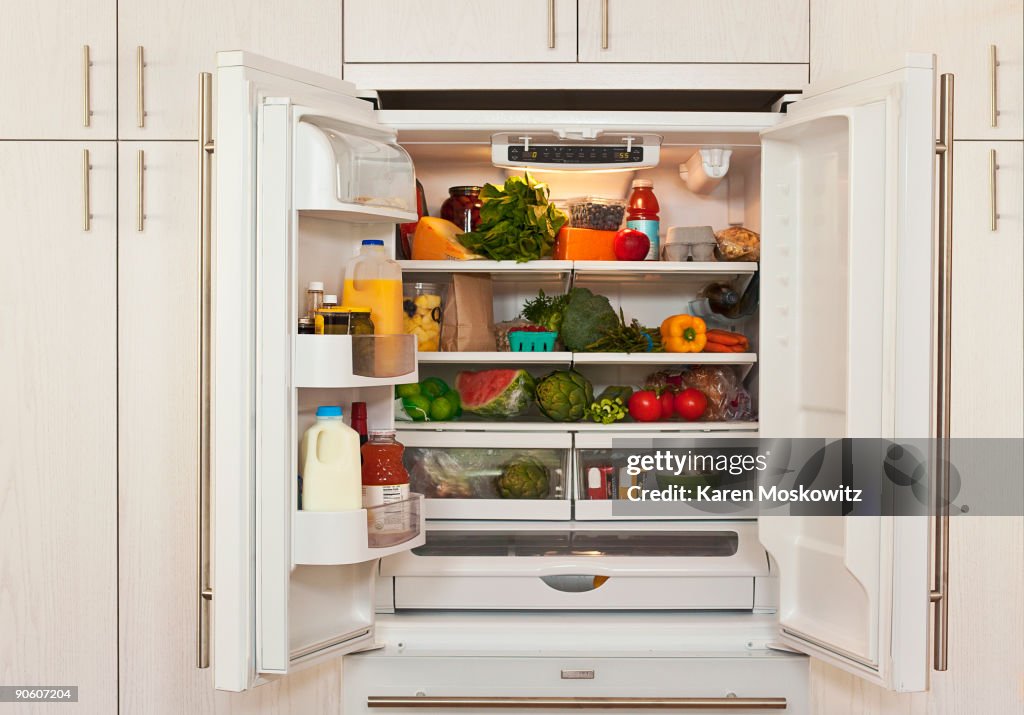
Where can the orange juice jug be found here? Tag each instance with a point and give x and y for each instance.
(373, 280)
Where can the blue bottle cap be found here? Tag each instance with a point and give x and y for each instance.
(328, 411)
(373, 242)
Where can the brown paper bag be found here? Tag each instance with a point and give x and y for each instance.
(468, 322)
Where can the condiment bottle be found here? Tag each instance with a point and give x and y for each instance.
(722, 299)
(642, 214)
(330, 301)
(385, 481)
(314, 299)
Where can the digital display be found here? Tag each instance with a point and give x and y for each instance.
(575, 154)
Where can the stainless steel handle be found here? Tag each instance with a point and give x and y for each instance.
(565, 703)
(140, 86)
(204, 593)
(993, 63)
(944, 326)
(993, 167)
(551, 24)
(604, 24)
(86, 76)
(140, 196)
(86, 198)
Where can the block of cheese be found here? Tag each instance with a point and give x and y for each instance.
(584, 244)
(435, 240)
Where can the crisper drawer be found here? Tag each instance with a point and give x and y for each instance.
(606, 489)
(743, 683)
(490, 475)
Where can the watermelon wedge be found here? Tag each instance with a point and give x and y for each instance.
(496, 393)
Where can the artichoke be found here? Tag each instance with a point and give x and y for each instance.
(523, 479)
(565, 395)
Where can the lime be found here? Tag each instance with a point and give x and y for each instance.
(433, 387)
(408, 390)
(453, 397)
(442, 409)
(417, 406)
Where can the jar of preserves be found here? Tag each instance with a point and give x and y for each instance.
(462, 207)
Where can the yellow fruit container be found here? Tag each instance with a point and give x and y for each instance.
(422, 311)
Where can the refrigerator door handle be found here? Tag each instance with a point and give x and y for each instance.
(944, 285)
(204, 593)
(729, 702)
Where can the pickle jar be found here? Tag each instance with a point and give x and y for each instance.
(359, 321)
(335, 320)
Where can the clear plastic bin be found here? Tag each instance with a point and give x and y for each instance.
(595, 212)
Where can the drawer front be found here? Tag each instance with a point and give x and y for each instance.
(746, 683)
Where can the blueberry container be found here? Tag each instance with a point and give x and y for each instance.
(596, 213)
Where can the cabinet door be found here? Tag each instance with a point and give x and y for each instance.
(58, 429)
(750, 31)
(181, 39)
(460, 31)
(48, 83)
(847, 235)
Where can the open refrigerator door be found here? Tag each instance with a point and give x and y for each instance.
(304, 174)
(848, 249)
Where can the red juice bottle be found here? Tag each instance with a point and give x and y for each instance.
(642, 214)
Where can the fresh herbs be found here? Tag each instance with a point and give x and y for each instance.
(516, 221)
(546, 310)
(627, 338)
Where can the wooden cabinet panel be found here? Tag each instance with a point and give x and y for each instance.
(158, 332)
(460, 31)
(749, 31)
(58, 430)
(181, 39)
(41, 51)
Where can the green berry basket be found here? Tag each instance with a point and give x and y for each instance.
(532, 341)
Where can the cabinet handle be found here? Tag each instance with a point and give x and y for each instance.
(140, 210)
(604, 24)
(204, 594)
(86, 74)
(140, 86)
(86, 199)
(944, 325)
(993, 167)
(551, 24)
(567, 703)
(993, 63)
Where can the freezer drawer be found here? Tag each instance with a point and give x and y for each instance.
(741, 683)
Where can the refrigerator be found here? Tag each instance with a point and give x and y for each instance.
(560, 603)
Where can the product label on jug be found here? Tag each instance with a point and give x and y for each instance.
(384, 518)
(650, 228)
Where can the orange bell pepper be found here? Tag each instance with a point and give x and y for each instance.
(683, 334)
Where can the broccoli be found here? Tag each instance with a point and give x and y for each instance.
(586, 318)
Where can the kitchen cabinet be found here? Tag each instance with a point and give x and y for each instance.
(60, 70)
(158, 402)
(460, 31)
(174, 41)
(748, 31)
(960, 34)
(59, 497)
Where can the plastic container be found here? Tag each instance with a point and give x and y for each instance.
(532, 341)
(462, 207)
(329, 464)
(597, 213)
(372, 279)
(423, 310)
(385, 481)
(642, 214)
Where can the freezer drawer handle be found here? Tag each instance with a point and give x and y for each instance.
(204, 593)
(563, 703)
(944, 325)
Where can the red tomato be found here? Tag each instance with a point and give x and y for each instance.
(690, 404)
(667, 400)
(644, 406)
(631, 245)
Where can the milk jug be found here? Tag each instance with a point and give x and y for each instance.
(329, 464)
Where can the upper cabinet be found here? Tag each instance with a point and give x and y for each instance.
(460, 31)
(60, 70)
(747, 31)
(162, 46)
(981, 43)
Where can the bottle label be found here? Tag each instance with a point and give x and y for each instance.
(650, 228)
(384, 518)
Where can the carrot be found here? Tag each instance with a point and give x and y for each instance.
(710, 347)
(723, 337)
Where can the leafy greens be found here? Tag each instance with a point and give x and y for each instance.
(516, 221)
